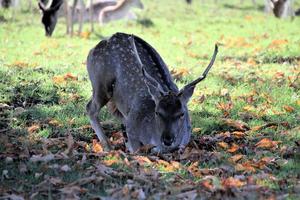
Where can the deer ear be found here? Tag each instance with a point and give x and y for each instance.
(186, 93)
(153, 86)
(41, 6)
(56, 7)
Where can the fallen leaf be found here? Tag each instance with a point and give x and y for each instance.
(194, 169)
(234, 147)
(33, 128)
(55, 122)
(267, 143)
(288, 108)
(236, 158)
(232, 182)
(207, 184)
(142, 160)
(179, 73)
(278, 43)
(237, 125)
(251, 61)
(85, 34)
(97, 148)
(196, 130)
(238, 134)
(110, 162)
(224, 145)
(246, 166)
(69, 76)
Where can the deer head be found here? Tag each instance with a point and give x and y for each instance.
(172, 121)
(49, 17)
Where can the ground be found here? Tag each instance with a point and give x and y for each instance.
(245, 115)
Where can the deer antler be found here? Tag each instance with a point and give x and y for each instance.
(203, 76)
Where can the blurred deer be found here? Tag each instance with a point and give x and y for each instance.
(280, 8)
(119, 11)
(49, 15)
(129, 76)
(74, 11)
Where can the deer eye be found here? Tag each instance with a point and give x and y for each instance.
(180, 116)
(158, 114)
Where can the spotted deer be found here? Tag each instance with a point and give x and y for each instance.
(119, 11)
(129, 76)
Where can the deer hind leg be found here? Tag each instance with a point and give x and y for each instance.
(93, 109)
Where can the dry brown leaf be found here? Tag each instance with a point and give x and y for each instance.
(237, 125)
(58, 80)
(178, 74)
(238, 134)
(224, 145)
(167, 166)
(196, 130)
(97, 148)
(278, 43)
(194, 169)
(85, 34)
(142, 160)
(110, 162)
(207, 184)
(288, 108)
(251, 61)
(236, 158)
(267, 143)
(234, 147)
(69, 76)
(246, 166)
(20, 64)
(33, 128)
(55, 122)
(232, 182)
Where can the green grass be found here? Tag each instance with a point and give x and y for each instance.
(257, 70)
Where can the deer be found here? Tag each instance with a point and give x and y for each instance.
(49, 15)
(119, 11)
(74, 12)
(280, 8)
(128, 76)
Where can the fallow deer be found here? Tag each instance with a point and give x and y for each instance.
(119, 11)
(130, 76)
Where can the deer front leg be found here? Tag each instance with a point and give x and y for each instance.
(93, 109)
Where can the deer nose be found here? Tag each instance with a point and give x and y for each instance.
(167, 139)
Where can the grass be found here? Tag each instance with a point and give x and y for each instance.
(45, 87)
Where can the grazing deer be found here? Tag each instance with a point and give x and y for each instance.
(49, 15)
(281, 8)
(130, 76)
(119, 11)
(74, 11)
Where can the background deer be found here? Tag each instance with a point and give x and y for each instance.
(129, 74)
(281, 8)
(49, 15)
(119, 11)
(51, 12)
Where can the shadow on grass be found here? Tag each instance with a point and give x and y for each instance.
(243, 8)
